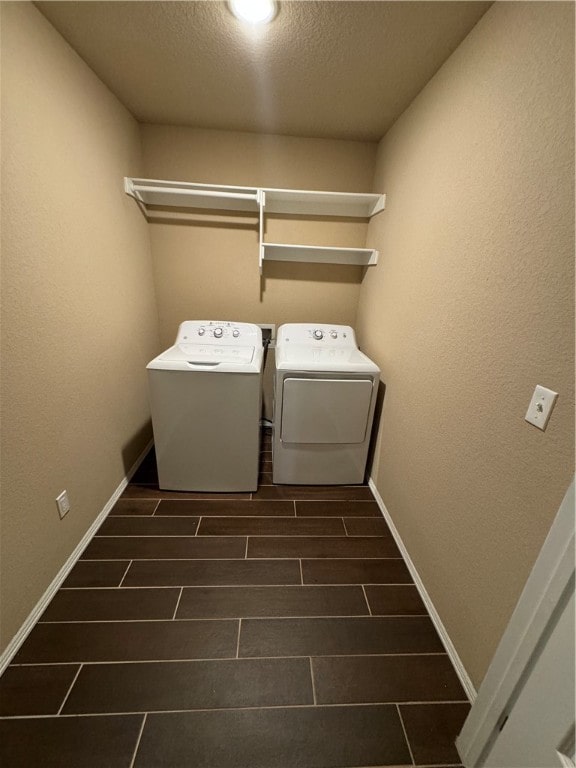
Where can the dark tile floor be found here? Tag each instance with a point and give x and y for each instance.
(279, 629)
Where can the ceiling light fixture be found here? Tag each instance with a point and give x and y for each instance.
(254, 11)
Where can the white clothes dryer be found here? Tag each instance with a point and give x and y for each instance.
(205, 397)
(325, 394)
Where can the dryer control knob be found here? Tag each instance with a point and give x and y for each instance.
(236, 333)
(318, 334)
(201, 331)
(218, 333)
(334, 334)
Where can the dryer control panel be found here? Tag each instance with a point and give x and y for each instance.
(319, 335)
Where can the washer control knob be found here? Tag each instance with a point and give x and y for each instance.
(201, 331)
(235, 333)
(218, 333)
(334, 334)
(318, 334)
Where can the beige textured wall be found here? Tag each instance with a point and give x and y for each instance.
(206, 266)
(470, 307)
(79, 320)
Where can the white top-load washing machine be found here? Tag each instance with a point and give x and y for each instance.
(325, 394)
(205, 397)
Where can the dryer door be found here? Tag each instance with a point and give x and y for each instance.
(325, 410)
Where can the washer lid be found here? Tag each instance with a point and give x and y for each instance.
(217, 358)
(307, 358)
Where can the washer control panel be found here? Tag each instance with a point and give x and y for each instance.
(215, 331)
(304, 334)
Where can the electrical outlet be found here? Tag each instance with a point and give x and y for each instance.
(268, 332)
(63, 504)
(541, 407)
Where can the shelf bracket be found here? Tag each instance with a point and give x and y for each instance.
(130, 189)
(261, 196)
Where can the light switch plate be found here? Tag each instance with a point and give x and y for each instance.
(63, 504)
(541, 407)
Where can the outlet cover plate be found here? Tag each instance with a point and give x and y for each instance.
(541, 406)
(63, 504)
(268, 331)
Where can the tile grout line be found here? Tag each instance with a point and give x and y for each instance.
(95, 662)
(187, 535)
(242, 586)
(251, 498)
(209, 500)
(138, 740)
(253, 561)
(154, 510)
(273, 515)
(226, 536)
(295, 512)
(313, 684)
(238, 641)
(208, 496)
(181, 535)
(248, 708)
(258, 516)
(405, 734)
(311, 535)
(176, 608)
(70, 689)
(257, 617)
(252, 584)
(204, 536)
(199, 524)
(301, 573)
(246, 551)
(125, 572)
(370, 609)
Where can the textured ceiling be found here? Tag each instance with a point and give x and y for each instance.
(321, 68)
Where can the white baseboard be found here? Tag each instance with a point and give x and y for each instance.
(14, 645)
(436, 620)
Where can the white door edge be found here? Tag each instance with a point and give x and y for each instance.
(548, 581)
